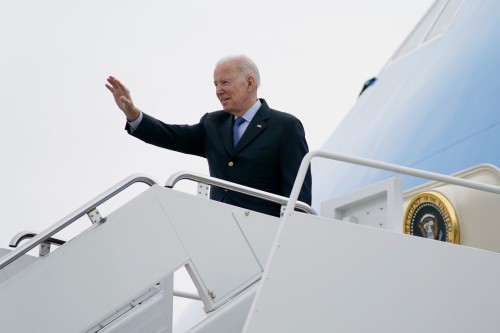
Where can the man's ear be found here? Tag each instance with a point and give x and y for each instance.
(250, 83)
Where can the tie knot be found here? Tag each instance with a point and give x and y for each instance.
(239, 121)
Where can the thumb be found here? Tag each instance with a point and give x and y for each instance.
(125, 100)
(127, 104)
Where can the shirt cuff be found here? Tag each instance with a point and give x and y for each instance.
(134, 124)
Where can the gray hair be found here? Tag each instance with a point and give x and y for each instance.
(245, 65)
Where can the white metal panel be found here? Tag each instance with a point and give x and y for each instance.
(16, 266)
(90, 276)
(259, 230)
(221, 259)
(332, 276)
(379, 205)
(230, 318)
(153, 315)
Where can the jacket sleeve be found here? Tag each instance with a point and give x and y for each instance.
(293, 149)
(187, 139)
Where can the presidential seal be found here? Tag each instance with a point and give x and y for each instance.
(431, 215)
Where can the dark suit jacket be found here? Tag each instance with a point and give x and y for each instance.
(267, 157)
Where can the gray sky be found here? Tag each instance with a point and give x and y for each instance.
(62, 140)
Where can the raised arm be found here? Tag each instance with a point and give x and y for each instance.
(122, 98)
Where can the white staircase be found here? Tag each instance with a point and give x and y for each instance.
(99, 275)
(254, 273)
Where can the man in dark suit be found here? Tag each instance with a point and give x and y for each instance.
(264, 150)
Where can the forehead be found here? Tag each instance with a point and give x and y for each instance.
(225, 70)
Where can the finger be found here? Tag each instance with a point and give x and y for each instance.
(110, 88)
(115, 83)
(110, 79)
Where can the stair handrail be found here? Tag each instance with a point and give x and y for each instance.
(278, 199)
(75, 215)
(29, 234)
(379, 165)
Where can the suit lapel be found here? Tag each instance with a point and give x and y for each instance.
(256, 126)
(226, 133)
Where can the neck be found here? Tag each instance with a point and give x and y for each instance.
(245, 108)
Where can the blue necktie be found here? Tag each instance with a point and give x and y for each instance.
(236, 125)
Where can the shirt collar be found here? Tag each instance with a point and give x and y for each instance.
(248, 116)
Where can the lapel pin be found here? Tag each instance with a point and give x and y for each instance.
(259, 125)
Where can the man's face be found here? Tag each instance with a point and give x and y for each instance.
(234, 91)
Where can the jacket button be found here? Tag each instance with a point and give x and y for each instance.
(230, 163)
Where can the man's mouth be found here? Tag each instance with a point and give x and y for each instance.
(223, 100)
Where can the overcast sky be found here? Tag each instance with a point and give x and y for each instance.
(62, 140)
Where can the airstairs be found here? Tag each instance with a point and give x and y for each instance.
(253, 272)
